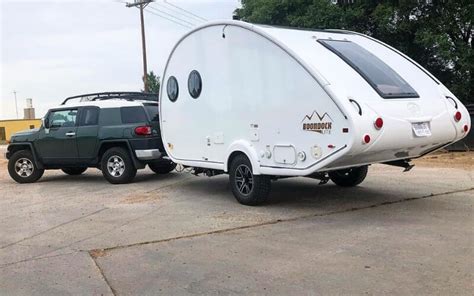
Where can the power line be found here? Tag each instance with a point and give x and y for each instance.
(170, 15)
(166, 18)
(182, 9)
(186, 15)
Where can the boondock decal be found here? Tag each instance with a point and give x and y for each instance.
(317, 123)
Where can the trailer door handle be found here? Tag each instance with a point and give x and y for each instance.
(358, 106)
(70, 134)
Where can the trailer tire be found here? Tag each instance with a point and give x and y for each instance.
(73, 171)
(248, 189)
(349, 177)
(22, 167)
(161, 167)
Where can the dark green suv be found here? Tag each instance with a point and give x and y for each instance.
(117, 133)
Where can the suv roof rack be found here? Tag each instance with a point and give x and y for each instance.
(129, 96)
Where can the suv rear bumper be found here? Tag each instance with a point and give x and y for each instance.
(148, 154)
(147, 148)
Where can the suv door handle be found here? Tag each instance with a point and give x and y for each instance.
(70, 134)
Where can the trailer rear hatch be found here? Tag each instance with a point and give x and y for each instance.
(413, 113)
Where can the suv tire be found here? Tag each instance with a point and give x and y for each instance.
(73, 171)
(22, 167)
(349, 177)
(248, 189)
(162, 166)
(117, 166)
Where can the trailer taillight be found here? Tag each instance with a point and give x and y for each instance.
(466, 128)
(457, 116)
(366, 139)
(378, 123)
(143, 130)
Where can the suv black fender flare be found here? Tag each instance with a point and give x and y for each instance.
(121, 143)
(14, 147)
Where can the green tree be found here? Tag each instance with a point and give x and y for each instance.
(438, 35)
(153, 82)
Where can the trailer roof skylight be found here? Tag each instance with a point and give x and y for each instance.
(378, 74)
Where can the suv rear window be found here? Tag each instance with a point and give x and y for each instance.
(152, 110)
(386, 82)
(133, 115)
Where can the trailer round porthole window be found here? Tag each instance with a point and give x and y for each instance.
(172, 89)
(194, 84)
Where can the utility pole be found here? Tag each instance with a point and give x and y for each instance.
(16, 104)
(141, 4)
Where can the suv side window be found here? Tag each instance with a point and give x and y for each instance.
(90, 116)
(62, 118)
(133, 115)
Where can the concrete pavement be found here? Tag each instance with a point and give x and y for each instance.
(179, 234)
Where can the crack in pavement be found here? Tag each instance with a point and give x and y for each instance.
(103, 252)
(101, 272)
(91, 236)
(88, 215)
(3, 266)
(271, 222)
(52, 228)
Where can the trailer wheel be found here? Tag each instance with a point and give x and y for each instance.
(248, 189)
(349, 177)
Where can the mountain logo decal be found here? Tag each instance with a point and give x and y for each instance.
(317, 123)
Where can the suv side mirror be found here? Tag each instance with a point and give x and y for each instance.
(45, 122)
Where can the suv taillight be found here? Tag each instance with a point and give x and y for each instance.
(143, 130)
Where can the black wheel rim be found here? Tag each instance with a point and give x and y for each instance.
(244, 179)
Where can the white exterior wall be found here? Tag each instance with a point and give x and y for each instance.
(247, 81)
(396, 138)
(272, 78)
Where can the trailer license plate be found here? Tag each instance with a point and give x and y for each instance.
(422, 129)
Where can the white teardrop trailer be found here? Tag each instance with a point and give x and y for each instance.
(261, 103)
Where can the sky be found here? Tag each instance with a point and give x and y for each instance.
(51, 50)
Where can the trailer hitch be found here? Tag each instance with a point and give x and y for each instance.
(322, 177)
(208, 172)
(401, 163)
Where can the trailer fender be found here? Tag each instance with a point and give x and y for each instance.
(245, 147)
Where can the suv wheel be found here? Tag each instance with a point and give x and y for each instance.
(22, 167)
(117, 166)
(248, 189)
(163, 166)
(74, 171)
(349, 177)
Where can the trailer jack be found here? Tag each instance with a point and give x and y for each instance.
(401, 163)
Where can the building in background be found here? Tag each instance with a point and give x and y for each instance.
(29, 111)
(9, 127)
